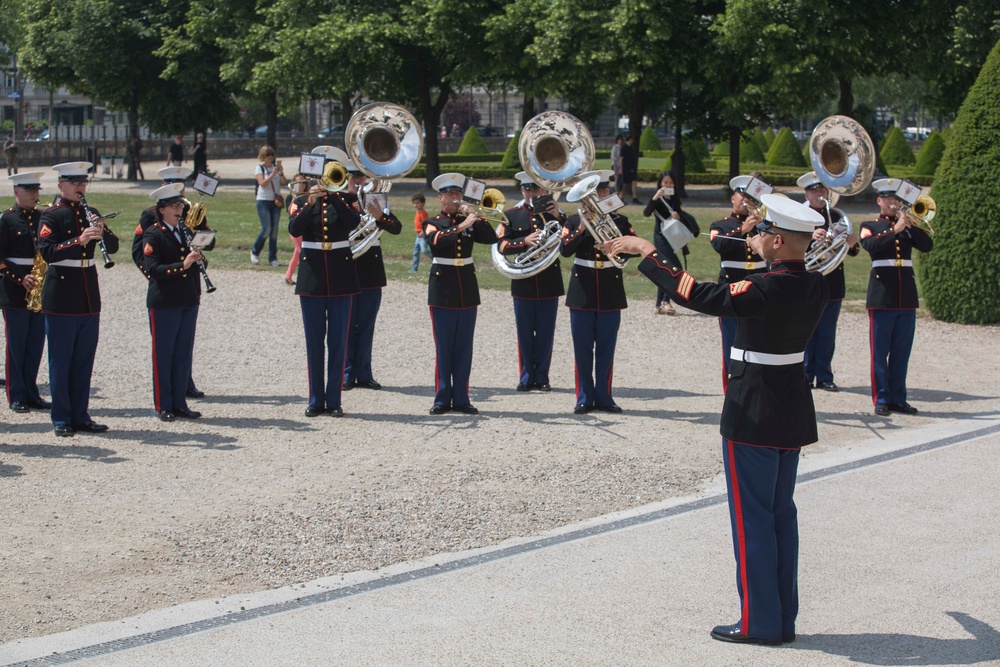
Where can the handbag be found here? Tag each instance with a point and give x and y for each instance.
(675, 231)
(279, 201)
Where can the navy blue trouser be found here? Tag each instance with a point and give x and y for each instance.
(891, 340)
(727, 325)
(173, 331)
(820, 349)
(454, 330)
(326, 320)
(72, 341)
(25, 335)
(536, 329)
(760, 482)
(364, 310)
(595, 336)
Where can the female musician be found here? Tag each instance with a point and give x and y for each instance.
(666, 204)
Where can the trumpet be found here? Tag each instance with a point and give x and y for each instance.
(92, 220)
(490, 207)
(921, 212)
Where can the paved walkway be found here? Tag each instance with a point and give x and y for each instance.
(898, 567)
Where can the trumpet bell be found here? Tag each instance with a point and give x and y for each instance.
(493, 199)
(842, 155)
(384, 140)
(585, 187)
(925, 208)
(334, 177)
(555, 148)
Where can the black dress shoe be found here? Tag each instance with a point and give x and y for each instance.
(582, 409)
(829, 385)
(787, 639)
(64, 430)
(613, 408)
(439, 409)
(731, 633)
(905, 408)
(882, 410)
(186, 413)
(349, 385)
(194, 393)
(368, 384)
(91, 427)
(18, 406)
(468, 409)
(165, 416)
(523, 386)
(544, 386)
(336, 412)
(40, 405)
(314, 411)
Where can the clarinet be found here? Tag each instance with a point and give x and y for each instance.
(188, 236)
(108, 262)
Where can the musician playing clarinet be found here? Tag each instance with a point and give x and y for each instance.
(71, 297)
(172, 297)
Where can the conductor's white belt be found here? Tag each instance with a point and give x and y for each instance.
(328, 245)
(765, 359)
(599, 264)
(24, 261)
(73, 263)
(744, 265)
(457, 261)
(891, 262)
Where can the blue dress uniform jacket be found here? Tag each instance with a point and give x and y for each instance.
(70, 290)
(329, 219)
(835, 279)
(734, 252)
(593, 288)
(147, 218)
(18, 230)
(522, 222)
(170, 284)
(892, 286)
(454, 286)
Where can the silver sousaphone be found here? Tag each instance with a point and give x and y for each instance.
(555, 149)
(843, 157)
(385, 142)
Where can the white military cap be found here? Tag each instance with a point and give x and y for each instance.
(523, 177)
(168, 194)
(76, 172)
(607, 175)
(450, 181)
(785, 213)
(886, 186)
(809, 181)
(171, 174)
(29, 180)
(739, 183)
(334, 153)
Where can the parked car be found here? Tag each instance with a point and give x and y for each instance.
(261, 132)
(333, 132)
(43, 136)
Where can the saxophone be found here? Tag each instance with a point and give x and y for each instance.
(38, 267)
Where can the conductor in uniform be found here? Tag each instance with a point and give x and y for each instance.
(768, 412)
(327, 282)
(892, 300)
(24, 330)
(172, 297)
(453, 292)
(596, 297)
(71, 298)
(738, 260)
(536, 298)
(819, 351)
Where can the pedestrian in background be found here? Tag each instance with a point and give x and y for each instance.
(420, 244)
(175, 153)
(269, 205)
(10, 154)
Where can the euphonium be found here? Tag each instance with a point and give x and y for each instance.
(34, 296)
(600, 225)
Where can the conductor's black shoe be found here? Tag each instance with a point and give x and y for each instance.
(582, 409)
(91, 427)
(336, 412)
(828, 385)
(40, 404)
(905, 408)
(468, 409)
(544, 386)
(731, 633)
(194, 393)
(18, 406)
(165, 416)
(439, 409)
(612, 408)
(882, 410)
(64, 430)
(186, 413)
(368, 384)
(314, 411)
(523, 386)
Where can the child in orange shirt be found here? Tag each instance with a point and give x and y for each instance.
(420, 245)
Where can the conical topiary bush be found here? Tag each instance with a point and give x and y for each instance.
(721, 151)
(930, 155)
(758, 137)
(473, 143)
(769, 137)
(895, 150)
(510, 159)
(750, 152)
(786, 152)
(648, 141)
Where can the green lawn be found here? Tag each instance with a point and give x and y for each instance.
(235, 217)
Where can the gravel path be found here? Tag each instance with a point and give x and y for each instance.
(255, 495)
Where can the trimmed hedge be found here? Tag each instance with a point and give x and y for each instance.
(930, 154)
(472, 143)
(895, 150)
(786, 152)
(959, 278)
(648, 141)
(750, 151)
(721, 151)
(758, 137)
(769, 137)
(510, 159)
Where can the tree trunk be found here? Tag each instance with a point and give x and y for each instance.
(637, 114)
(134, 140)
(528, 109)
(734, 151)
(272, 120)
(431, 115)
(845, 105)
(677, 164)
(346, 108)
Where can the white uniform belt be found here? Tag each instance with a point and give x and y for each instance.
(599, 264)
(749, 266)
(326, 245)
(457, 261)
(73, 263)
(766, 359)
(24, 261)
(891, 262)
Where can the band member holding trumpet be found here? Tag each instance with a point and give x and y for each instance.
(25, 328)
(69, 233)
(172, 297)
(536, 299)
(453, 292)
(739, 260)
(327, 282)
(596, 297)
(819, 351)
(768, 413)
(892, 294)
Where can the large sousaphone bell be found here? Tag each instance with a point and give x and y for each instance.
(385, 142)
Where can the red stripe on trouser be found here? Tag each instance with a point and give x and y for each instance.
(740, 539)
(611, 374)
(156, 374)
(6, 330)
(871, 353)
